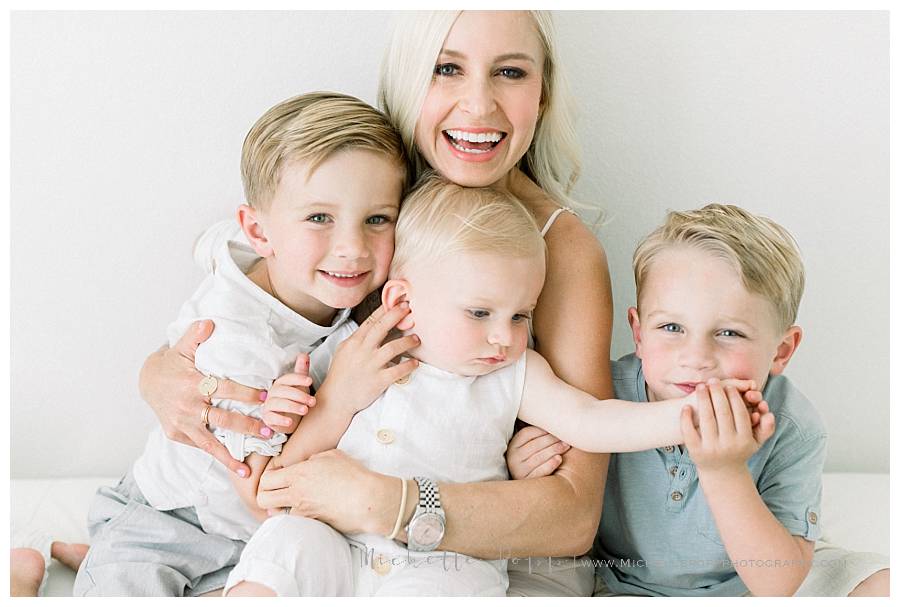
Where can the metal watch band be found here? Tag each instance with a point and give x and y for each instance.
(429, 496)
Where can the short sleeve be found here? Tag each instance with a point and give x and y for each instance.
(212, 240)
(791, 482)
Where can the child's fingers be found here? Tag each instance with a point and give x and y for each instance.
(399, 371)
(708, 429)
(692, 440)
(766, 428)
(380, 322)
(284, 405)
(299, 395)
(754, 418)
(742, 385)
(396, 347)
(738, 411)
(293, 379)
(752, 397)
(763, 407)
(274, 420)
(721, 408)
(547, 468)
(301, 365)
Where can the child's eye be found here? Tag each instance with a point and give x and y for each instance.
(378, 220)
(479, 314)
(671, 327)
(318, 218)
(446, 69)
(521, 317)
(513, 73)
(730, 333)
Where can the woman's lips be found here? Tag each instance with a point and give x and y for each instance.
(473, 152)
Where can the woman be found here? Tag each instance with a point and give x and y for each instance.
(478, 97)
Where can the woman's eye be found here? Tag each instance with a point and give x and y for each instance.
(512, 73)
(671, 327)
(318, 218)
(479, 313)
(378, 220)
(446, 69)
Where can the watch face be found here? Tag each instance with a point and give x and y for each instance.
(427, 531)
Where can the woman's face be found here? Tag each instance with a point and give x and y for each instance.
(480, 113)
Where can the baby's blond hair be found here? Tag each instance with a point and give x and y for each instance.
(310, 128)
(440, 218)
(763, 253)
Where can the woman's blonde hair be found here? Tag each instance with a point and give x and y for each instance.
(553, 159)
(440, 219)
(310, 128)
(763, 253)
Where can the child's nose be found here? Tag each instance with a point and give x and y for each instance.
(500, 335)
(697, 354)
(351, 244)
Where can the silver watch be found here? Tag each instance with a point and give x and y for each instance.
(426, 529)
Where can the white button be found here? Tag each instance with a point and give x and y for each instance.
(381, 564)
(385, 437)
(669, 449)
(403, 380)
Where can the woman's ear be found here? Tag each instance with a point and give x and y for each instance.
(249, 219)
(394, 292)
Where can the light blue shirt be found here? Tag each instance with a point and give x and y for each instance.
(657, 535)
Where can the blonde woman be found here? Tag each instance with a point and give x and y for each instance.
(477, 96)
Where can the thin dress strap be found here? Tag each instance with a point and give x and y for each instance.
(553, 217)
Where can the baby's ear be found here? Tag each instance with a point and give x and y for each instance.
(394, 292)
(786, 348)
(248, 217)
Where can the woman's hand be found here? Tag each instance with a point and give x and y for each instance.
(169, 384)
(361, 368)
(534, 452)
(334, 488)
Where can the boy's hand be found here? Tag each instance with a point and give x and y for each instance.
(726, 438)
(289, 395)
(533, 453)
(361, 369)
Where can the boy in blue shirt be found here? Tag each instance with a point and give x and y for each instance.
(725, 514)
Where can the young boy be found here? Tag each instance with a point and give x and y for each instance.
(717, 296)
(323, 175)
(469, 264)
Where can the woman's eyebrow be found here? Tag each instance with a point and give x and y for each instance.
(497, 59)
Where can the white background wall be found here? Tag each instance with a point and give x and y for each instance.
(126, 134)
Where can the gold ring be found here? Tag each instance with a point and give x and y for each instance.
(204, 418)
(208, 386)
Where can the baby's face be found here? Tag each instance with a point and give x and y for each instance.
(697, 321)
(471, 311)
(332, 232)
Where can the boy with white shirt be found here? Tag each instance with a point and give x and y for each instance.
(323, 175)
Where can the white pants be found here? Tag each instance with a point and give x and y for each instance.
(295, 556)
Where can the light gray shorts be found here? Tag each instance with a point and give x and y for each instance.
(137, 550)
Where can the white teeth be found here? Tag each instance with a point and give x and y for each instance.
(493, 137)
(341, 275)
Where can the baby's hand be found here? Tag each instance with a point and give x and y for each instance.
(289, 395)
(533, 453)
(726, 438)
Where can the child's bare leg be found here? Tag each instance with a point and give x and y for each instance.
(69, 555)
(26, 571)
(246, 487)
(877, 584)
(250, 589)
